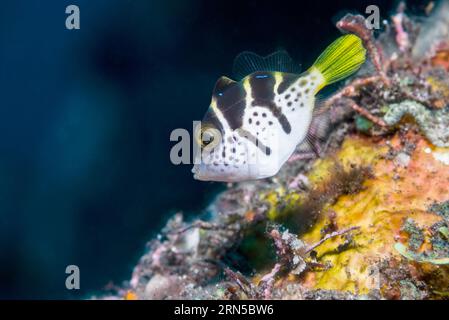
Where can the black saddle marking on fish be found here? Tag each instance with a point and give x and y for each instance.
(277, 113)
(250, 137)
(230, 98)
(221, 85)
(262, 85)
(287, 80)
(262, 91)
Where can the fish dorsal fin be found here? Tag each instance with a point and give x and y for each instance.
(248, 62)
(221, 85)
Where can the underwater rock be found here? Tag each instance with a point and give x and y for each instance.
(433, 123)
(160, 287)
(382, 209)
(377, 233)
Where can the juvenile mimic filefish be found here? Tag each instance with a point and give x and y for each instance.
(253, 125)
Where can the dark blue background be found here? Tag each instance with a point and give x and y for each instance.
(85, 119)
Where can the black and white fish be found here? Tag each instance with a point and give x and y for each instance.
(254, 125)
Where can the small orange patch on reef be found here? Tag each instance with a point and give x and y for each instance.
(441, 58)
(130, 295)
(402, 186)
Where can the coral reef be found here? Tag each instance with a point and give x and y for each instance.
(368, 219)
(392, 206)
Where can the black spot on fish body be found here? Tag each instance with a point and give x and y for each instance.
(267, 151)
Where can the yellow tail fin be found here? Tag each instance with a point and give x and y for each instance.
(341, 58)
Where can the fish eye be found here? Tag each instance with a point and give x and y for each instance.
(206, 138)
(210, 137)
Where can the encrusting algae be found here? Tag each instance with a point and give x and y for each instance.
(365, 217)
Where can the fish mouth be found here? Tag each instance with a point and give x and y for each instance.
(199, 177)
(196, 173)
